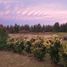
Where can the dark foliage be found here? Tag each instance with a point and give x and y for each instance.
(18, 47)
(54, 52)
(65, 59)
(28, 46)
(39, 51)
(3, 38)
(36, 28)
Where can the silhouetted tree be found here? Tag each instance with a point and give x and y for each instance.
(35, 28)
(63, 27)
(56, 27)
(16, 28)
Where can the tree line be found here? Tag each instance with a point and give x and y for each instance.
(35, 28)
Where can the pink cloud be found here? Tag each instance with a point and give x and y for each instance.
(35, 13)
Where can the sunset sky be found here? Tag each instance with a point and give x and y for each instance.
(33, 11)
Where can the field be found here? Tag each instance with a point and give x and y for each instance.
(9, 59)
(45, 36)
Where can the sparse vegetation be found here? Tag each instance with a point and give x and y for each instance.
(37, 46)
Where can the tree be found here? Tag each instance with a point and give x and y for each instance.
(49, 28)
(56, 27)
(63, 27)
(36, 28)
(16, 28)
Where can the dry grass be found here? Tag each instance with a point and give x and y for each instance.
(8, 59)
(30, 35)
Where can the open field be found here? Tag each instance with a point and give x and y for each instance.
(38, 34)
(42, 35)
(10, 59)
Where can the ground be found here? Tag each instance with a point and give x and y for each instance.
(9, 59)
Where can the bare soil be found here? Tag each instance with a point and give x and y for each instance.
(9, 59)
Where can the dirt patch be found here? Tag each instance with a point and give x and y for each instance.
(9, 59)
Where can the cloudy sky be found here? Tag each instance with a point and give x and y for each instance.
(33, 11)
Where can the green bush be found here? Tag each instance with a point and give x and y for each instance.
(39, 51)
(54, 52)
(57, 44)
(3, 39)
(10, 47)
(28, 46)
(18, 47)
(39, 54)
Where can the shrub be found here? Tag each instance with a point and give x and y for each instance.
(39, 51)
(54, 51)
(18, 47)
(3, 39)
(65, 59)
(28, 46)
(57, 44)
(39, 54)
(10, 47)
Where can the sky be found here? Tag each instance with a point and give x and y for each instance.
(33, 12)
